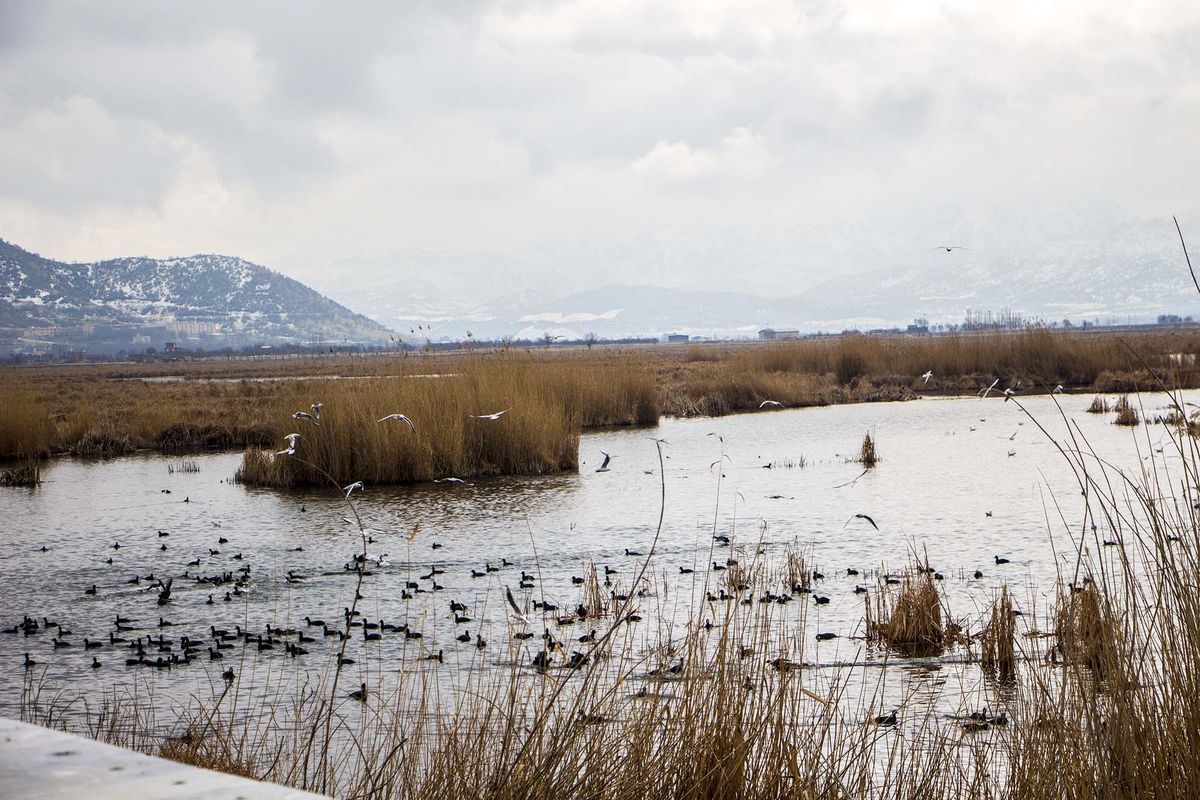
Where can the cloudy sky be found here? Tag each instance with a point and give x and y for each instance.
(566, 145)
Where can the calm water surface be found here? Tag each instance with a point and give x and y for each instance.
(945, 465)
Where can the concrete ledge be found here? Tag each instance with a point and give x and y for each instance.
(37, 764)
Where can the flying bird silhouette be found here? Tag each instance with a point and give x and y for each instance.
(948, 247)
(862, 516)
(497, 415)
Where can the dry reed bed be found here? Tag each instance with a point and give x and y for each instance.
(111, 417)
(539, 434)
(107, 409)
(913, 620)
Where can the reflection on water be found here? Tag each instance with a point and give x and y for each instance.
(960, 482)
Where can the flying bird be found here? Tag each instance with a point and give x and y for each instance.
(357, 486)
(863, 516)
(1058, 389)
(948, 247)
(291, 439)
(400, 418)
(517, 612)
(604, 465)
(772, 403)
(316, 409)
(928, 374)
(448, 480)
(984, 392)
(307, 417)
(497, 415)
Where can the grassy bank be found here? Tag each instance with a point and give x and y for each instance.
(112, 409)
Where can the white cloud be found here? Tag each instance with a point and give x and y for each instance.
(741, 154)
(689, 142)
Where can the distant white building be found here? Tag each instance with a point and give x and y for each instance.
(676, 338)
(772, 333)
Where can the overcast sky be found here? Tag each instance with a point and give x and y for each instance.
(617, 141)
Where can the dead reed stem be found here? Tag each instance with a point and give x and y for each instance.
(999, 637)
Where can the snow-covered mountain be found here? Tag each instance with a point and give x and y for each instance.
(204, 299)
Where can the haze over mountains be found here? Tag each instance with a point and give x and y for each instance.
(1082, 264)
(1102, 265)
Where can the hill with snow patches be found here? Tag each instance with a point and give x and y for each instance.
(211, 300)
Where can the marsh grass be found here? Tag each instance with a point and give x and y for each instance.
(538, 434)
(106, 416)
(909, 620)
(110, 409)
(1127, 415)
(595, 599)
(867, 456)
(998, 642)
(1099, 405)
(25, 429)
(1087, 634)
(25, 472)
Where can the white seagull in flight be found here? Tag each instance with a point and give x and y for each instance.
(497, 415)
(523, 617)
(928, 374)
(291, 439)
(400, 418)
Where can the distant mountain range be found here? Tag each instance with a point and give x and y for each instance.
(1078, 285)
(1095, 263)
(206, 300)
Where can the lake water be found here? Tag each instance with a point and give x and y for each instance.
(959, 479)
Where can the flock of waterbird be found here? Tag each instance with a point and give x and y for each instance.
(146, 642)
